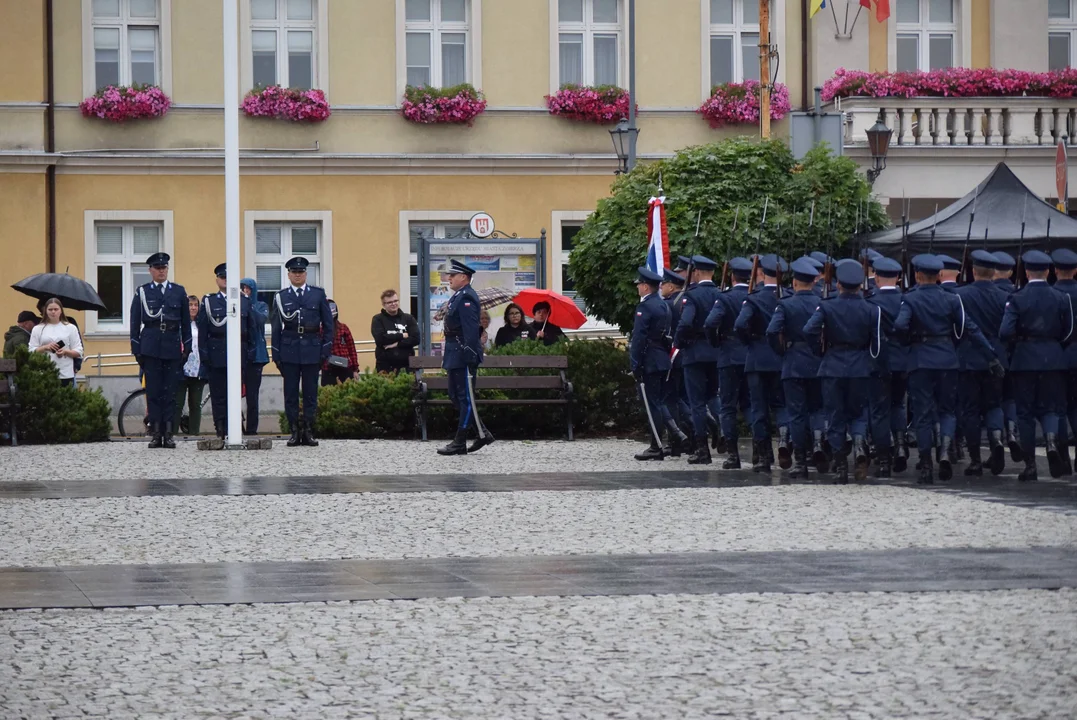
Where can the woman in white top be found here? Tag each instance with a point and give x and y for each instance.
(59, 339)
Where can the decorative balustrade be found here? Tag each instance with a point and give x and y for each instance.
(979, 121)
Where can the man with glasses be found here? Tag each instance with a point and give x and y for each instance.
(395, 333)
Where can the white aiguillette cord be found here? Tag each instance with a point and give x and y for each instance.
(280, 309)
(146, 307)
(209, 314)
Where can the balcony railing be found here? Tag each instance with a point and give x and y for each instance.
(978, 121)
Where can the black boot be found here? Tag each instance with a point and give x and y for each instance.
(861, 460)
(654, 452)
(717, 439)
(1013, 440)
(732, 459)
(293, 439)
(997, 461)
(901, 452)
(946, 458)
(785, 447)
(678, 441)
(768, 448)
(800, 463)
(308, 438)
(761, 462)
(702, 454)
(458, 446)
(167, 441)
(487, 438)
(841, 469)
(1054, 457)
(882, 463)
(1029, 473)
(156, 440)
(927, 470)
(959, 449)
(818, 453)
(1067, 466)
(975, 467)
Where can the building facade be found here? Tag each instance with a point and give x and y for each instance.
(356, 192)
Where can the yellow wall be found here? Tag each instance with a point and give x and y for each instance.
(22, 51)
(197, 52)
(362, 69)
(878, 41)
(668, 56)
(22, 239)
(67, 50)
(516, 52)
(981, 33)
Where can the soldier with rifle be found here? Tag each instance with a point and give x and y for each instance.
(673, 396)
(698, 356)
(1066, 282)
(732, 353)
(889, 381)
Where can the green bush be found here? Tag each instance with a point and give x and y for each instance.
(48, 412)
(373, 405)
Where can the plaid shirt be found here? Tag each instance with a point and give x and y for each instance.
(343, 346)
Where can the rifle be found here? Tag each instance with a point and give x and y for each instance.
(758, 239)
(904, 240)
(862, 243)
(968, 236)
(792, 244)
(778, 261)
(811, 224)
(828, 268)
(729, 250)
(688, 272)
(931, 243)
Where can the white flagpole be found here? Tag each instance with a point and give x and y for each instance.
(231, 219)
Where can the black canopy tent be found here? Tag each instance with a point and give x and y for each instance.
(999, 201)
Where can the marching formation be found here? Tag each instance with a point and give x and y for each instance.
(837, 364)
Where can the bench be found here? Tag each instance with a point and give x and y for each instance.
(7, 393)
(555, 381)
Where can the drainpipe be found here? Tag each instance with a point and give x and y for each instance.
(804, 56)
(50, 145)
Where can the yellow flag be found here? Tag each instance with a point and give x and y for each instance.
(816, 6)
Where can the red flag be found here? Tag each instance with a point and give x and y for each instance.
(865, 4)
(882, 9)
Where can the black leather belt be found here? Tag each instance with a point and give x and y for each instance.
(300, 329)
(847, 346)
(165, 326)
(1036, 338)
(931, 339)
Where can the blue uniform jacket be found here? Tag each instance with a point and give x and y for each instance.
(1005, 284)
(895, 354)
(932, 319)
(732, 351)
(1069, 287)
(690, 336)
(673, 302)
(800, 353)
(647, 350)
(302, 330)
(751, 325)
(1038, 319)
(160, 322)
(853, 330)
(819, 288)
(463, 346)
(213, 340)
(984, 303)
(949, 286)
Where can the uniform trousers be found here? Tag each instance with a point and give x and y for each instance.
(701, 382)
(252, 382)
(1067, 426)
(846, 403)
(887, 407)
(461, 389)
(803, 402)
(162, 376)
(189, 392)
(650, 392)
(296, 375)
(673, 397)
(1038, 399)
(218, 397)
(1009, 404)
(765, 391)
(733, 393)
(933, 394)
(980, 402)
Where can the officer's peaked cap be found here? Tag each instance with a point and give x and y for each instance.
(646, 275)
(821, 257)
(672, 277)
(819, 264)
(771, 264)
(984, 259)
(887, 267)
(1064, 259)
(683, 262)
(158, 259)
(297, 263)
(805, 269)
(949, 263)
(457, 268)
(740, 265)
(1004, 260)
(221, 270)
(1036, 260)
(871, 255)
(927, 263)
(702, 262)
(850, 273)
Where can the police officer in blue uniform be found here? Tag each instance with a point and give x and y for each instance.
(732, 353)
(800, 360)
(1004, 266)
(824, 262)
(851, 330)
(1038, 320)
(979, 391)
(462, 357)
(950, 273)
(889, 381)
(763, 368)
(673, 396)
(302, 337)
(933, 319)
(1065, 261)
(648, 353)
(160, 341)
(698, 356)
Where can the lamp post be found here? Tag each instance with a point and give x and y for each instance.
(624, 141)
(879, 143)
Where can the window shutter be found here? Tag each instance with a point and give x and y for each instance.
(147, 240)
(268, 278)
(109, 240)
(267, 239)
(304, 241)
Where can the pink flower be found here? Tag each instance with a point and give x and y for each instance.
(602, 105)
(287, 104)
(951, 82)
(119, 104)
(460, 105)
(738, 104)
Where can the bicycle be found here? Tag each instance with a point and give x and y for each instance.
(134, 414)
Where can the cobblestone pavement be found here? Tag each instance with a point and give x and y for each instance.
(943, 655)
(307, 527)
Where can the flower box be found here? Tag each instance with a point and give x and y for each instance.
(122, 103)
(604, 104)
(286, 104)
(738, 104)
(459, 105)
(951, 82)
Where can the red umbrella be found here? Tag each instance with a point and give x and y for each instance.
(563, 312)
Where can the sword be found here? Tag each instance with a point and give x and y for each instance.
(650, 418)
(474, 405)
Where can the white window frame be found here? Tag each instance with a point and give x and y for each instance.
(961, 30)
(473, 45)
(163, 23)
(322, 218)
(321, 45)
(588, 29)
(1065, 26)
(408, 258)
(734, 31)
(559, 219)
(777, 34)
(128, 218)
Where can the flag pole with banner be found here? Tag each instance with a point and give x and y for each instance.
(658, 235)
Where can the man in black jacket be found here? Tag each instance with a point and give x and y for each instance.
(396, 334)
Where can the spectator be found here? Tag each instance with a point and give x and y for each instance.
(59, 338)
(396, 334)
(252, 370)
(71, 321)
(343, 362)
(514, 328)
(19, 333)
(484, 324)
(192, 382)
(542, 329)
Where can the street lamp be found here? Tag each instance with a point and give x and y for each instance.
(879, 143)
(623, 138)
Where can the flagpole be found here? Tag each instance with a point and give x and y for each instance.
(764, 69)
(231, 220)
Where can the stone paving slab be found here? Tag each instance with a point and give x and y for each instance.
(924, 570)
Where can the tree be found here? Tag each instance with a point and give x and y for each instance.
(713, 182)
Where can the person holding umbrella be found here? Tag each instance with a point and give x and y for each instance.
(542, 329)
(59, 338)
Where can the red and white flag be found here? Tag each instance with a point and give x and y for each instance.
(658, 233)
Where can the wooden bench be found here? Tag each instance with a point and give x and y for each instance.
(425, 383)
(7, 394)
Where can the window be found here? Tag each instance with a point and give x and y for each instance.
(416, 232)
(589, 42)
(119, 258)
(1062, 31)
(126, 42)
(283, 36)
(734, 41)
(436, 39)
(926, 34)
(274, 244)
(569, 231)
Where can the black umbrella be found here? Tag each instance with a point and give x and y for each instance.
(75, 293)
